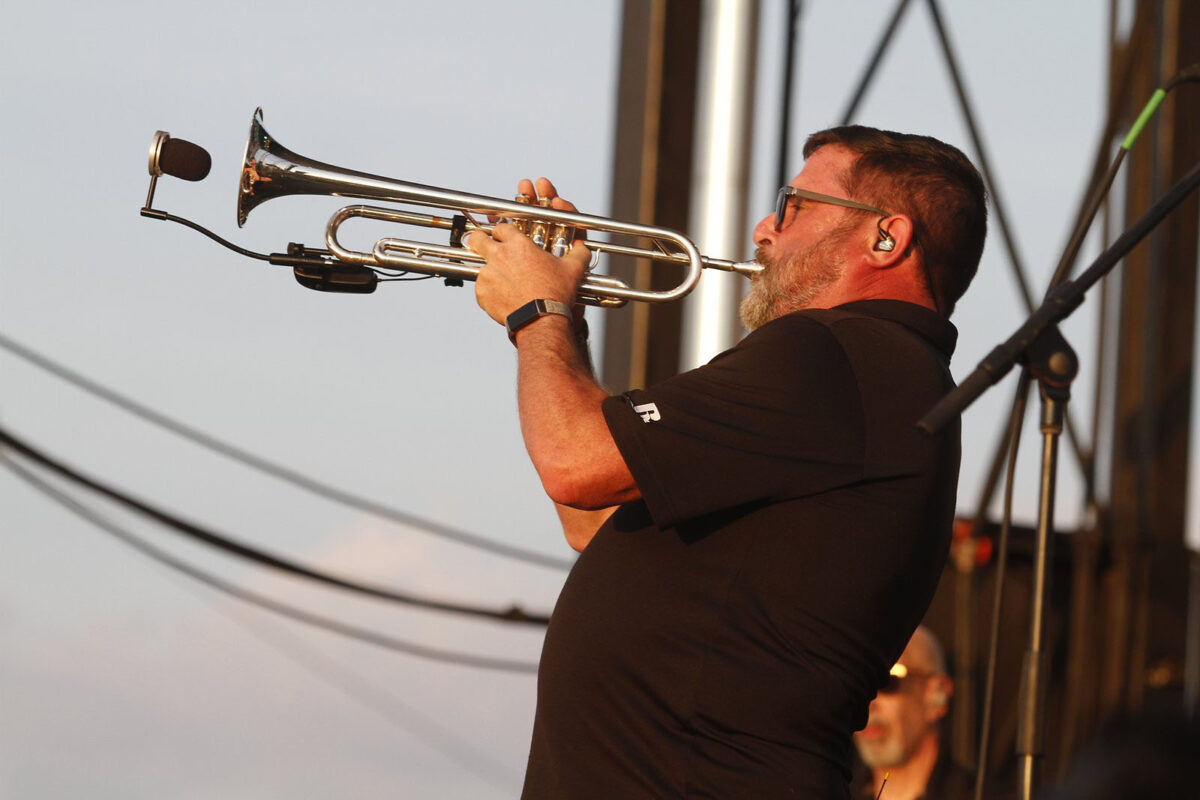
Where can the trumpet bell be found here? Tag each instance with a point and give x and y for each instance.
(266, 167)
(252, 188)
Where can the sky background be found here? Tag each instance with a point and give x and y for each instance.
(122, 679)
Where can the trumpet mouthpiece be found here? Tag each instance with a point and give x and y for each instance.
(747, 269)
(750, 269)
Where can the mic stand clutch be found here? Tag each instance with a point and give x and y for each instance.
(1040, 346)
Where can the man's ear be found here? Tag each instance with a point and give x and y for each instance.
(894, 239)
(937, 697)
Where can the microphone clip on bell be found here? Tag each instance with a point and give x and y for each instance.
(314, 269)
(176, 157)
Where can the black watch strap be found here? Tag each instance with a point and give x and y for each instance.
(532, 310)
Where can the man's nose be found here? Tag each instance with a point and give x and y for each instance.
(764, 231)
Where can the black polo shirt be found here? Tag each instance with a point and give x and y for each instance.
(723, 636)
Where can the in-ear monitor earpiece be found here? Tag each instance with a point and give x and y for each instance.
(886, 243)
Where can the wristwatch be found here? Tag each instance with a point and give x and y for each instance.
(531, 311)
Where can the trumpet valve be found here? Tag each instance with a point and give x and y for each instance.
(522, 224)
(560, 239)
(539, 229)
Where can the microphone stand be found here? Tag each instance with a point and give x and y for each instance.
(1053, 364)
(1040, 346)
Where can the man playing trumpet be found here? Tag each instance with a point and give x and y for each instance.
(759, 537)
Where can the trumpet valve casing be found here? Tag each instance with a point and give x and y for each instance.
(522, 224)
(539, 229)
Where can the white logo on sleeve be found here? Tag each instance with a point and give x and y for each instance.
(648, 412)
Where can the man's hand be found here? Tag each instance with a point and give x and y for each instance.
(516, 271)
(558, 398)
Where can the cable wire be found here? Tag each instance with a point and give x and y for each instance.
(885, 40)
(285, 474)
(228, 545)
(425, 729)
(275, 606)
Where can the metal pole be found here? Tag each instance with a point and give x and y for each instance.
(873, 64)
(783, 165)
(1013, 435)
(1033, 684)
(1191, 669)
(725, 112)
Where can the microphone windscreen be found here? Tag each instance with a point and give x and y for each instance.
(184, 160)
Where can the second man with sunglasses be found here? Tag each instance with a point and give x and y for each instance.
(901, 746)
(760, 536)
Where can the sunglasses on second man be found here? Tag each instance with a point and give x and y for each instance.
(899, 676)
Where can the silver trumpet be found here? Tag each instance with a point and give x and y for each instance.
(270, 170)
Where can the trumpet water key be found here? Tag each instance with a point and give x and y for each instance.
(270, 170)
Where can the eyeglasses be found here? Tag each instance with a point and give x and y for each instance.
(786, 192)
(898, 675)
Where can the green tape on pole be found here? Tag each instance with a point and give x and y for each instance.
(1147, 112)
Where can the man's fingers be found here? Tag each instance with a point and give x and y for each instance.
(580, 252)
(479, 242)
(545, 188)
(483, 244)
(563, 205)
(540, 190)
(504, 231)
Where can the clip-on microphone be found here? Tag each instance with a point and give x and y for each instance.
(191, 162)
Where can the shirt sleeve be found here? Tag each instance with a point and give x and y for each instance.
(776, 417)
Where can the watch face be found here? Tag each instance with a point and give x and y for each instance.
(531, 311)
(523, 316)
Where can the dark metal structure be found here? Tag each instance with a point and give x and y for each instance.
(1116, 625)
(1117, 609)
(652, 168)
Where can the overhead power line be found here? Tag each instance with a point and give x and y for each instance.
(422, 727)
(275, 606)
(285, 474)
(228, 545)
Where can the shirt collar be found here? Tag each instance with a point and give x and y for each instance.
(924, 321)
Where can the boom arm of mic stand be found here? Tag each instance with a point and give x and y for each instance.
(1058, 305)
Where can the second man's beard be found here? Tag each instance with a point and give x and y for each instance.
(884, 754)
(789, 284)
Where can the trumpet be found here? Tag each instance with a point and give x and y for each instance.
(270, 170)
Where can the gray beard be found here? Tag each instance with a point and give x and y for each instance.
(789, 285)
(883, 755)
